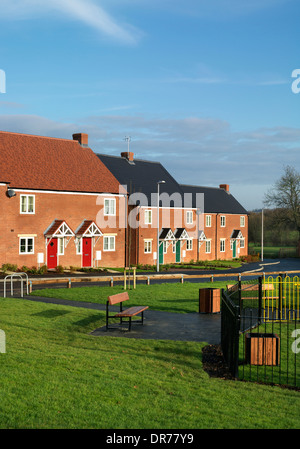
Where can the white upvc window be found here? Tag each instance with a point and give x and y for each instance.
(165, 247)
(27, 204)
(223, 221)
(208, 246)
(242, 221)
(147, 246)
(60, 246)
(109, 206)
(208, 221)
(79, 246)
(222, 245)
(189, 244)
(26, 245)
(189, 217)
(174, 247)
(109, 243)
(242, 243)
(148, 216)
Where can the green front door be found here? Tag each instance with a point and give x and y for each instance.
(234, 249)
(161, 253)
(178, 255)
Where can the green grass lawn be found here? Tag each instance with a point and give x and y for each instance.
(275, 252)
(55, 375)
(172, 297)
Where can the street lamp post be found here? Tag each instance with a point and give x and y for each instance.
(157, 255)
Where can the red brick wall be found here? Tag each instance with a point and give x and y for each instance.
(73, 209)
(216, 232)
(177, 218)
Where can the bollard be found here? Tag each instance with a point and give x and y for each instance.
(69, 283)
(134, 277)
(181, 280)
(111, 281)
(30, 286)
(148, 281)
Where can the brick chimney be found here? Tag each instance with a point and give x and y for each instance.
(129, 156)
(83, 139)
(224, 187)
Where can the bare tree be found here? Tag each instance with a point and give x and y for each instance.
(285, 196)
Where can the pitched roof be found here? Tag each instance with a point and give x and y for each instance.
(216, 200)
(142, 176)
(46, 163)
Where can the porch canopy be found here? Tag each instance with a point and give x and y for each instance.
(202, 236)
(88, 228)
(166, 235)
(236, 235)
(59, 229)
(181, 234)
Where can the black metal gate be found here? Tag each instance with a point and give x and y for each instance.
(230, 331)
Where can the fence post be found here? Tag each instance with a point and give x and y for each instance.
(237, 342)
(260, 292)
(240, 294)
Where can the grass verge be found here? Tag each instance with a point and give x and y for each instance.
(55, 375)
(168, 297)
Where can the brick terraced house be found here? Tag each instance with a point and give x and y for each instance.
(60, 204)
(195, 223)
(64, 205)
(224, 225)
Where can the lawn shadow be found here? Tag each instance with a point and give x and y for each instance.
(51, 313)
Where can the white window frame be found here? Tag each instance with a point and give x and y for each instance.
(189, 217)
(147, 246)
(189, 244)
(223, 221)
(60, 246)
(148, 216)
(207, 246)
(242, 243)
(26, 245)
(109, 206)
(208, 221)
(242, 221)
(173, 247)
(26, 212)
(165, 247)
(79, 246)
(222, 245)
(109, 239)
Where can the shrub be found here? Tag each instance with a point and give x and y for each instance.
(43, 269)
(59, 269)
(9, 267)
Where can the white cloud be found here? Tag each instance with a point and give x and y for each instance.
(199, 151)
(86, 11)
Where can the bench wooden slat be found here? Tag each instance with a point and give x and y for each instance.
(119, 297)
(132, 311)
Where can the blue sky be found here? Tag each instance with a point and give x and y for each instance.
(203, 87)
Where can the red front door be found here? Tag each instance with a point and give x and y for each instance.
(86, 252)
(52, 254)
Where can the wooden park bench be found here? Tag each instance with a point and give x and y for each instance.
(128, 313)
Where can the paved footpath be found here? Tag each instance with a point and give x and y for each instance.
(157, 325)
